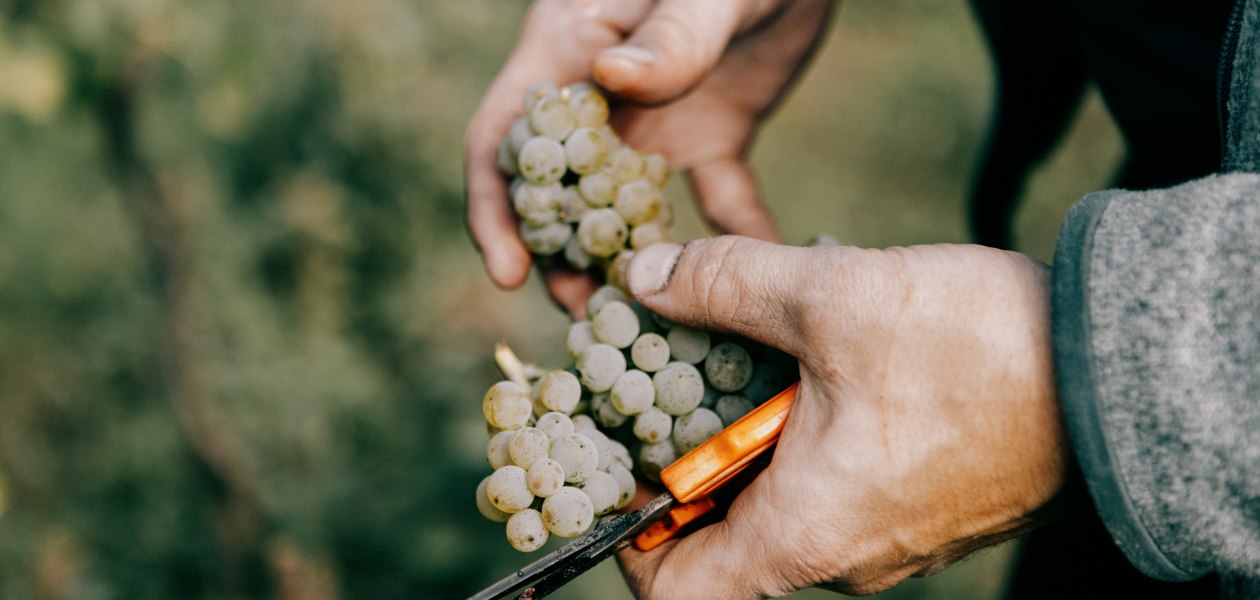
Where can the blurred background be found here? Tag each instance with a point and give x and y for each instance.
(243, 337)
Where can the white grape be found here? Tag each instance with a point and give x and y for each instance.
(586, 150)
(653, 426)
(637, 201)
(626, 485)
(555, 425)
(582, 423)
(519, 135)
(608, 416)
(656, 169)
(538, 91)
(551, 118)
(505, 159)
(547, 239)
(497, 453)
(577, 257)
(646, 234)
(654, 457)
(529, 445)
(568, 512)
(486, 508)
(692, 429)
(665, 216)
(616, 324)
(620, 455)
(525, 530)
(538, 204)
(579, 337)
(507, 405)
(728, 367)
(589, 108)
(603, 447)
(603, 491)
(602, 232)
(572, 206)
(731, 408)
(560, 391)
(625, 164)
(617, 268)
(544, 477)
(650, 352)
(679, 388)
(541, 161)
(577, 455)
(633, 392)
(507, 490)
(604, 295)
(688, 345)
(598, 189)
(600, 365)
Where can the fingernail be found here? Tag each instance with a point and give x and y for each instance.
(652, 268)
(635, 54)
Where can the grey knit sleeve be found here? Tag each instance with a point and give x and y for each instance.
(1156, 310)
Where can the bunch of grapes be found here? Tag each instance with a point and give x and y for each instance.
(579, 191)
(566, 445)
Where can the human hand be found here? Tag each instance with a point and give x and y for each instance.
(676, 53)
(925, 427)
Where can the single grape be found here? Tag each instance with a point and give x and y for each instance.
(544, 477)
(598, 189)
(650, 352)
(637, 201)
(529, 445)
(731, 408)
(507, 490)
(551, 118)
(602, 232)
(519, 135)
(541, 161)
(688, 345)
(604, 295)
(525, 530)
(547, 239)
(505, 158)
(568, 512)
(766, 381)
(616, 324)
(580, 336)
(642, 236)
(486, 508)
(582, 423)
(577, 455)
(600, 365)
(679, 388)
(589, 108)
(586, 150)
(560, 391)
(616, 270)
(620, 455)
(633, 392)
(577, 257)
(572, 206)
(656, 169)
(538, 204)
(555, 425)
(653, 426)
(625, 485)
(692, 429)
(728, 367)
(608, 416)
(603, 491)
(507, 405)
(625, 164)
(497, 453)
(539, 91)
(654, 457)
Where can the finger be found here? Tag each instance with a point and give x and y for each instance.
(727, 192)
(671, 51)
(718, 561)
(571, 289)
(730, 283)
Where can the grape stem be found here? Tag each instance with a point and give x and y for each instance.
(511, 366)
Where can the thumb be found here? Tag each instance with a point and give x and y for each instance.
(715, 562)
(730, 283)
(671, 51)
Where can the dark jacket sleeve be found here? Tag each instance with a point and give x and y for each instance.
(1156, 310)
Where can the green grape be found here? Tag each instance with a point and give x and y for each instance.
(580, 336)
(560, 391)
(576, 453)
(582, 423)
(637, 201)
(642, 236)
(576, 256)
(519, 134)
(656, 169)
(692, 429)
(616, 324)
(568, 512)
(544, 477)
(766, 381)
(679, 388)
(604, 295)
(626, 485)
(505, 158)
(507, 490)
(529, 445)
(551, 118)
(539, 91)
(497, 453)
(653, 426)
(688, 345)
(731, 408)
(525, 530)
(586, 150)
(541, 161)
(507, 405)
(547, 239)
(598, 189)
(538, 204)
(555, 425)
(602, 232)
(603, 447)
(728, 367)
(620, 455)
(572, 206)
(603, 491)
(625, 164)
(588, 107)
(608, 416)
(650, 352)
(654, 457)
(632, 394)
(599, 366)
(486, 508)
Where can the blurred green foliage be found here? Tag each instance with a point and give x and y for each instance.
(242, 336)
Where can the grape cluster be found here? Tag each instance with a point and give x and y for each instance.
(578, 190)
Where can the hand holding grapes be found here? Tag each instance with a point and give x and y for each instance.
(925, 427)
(674, 49)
